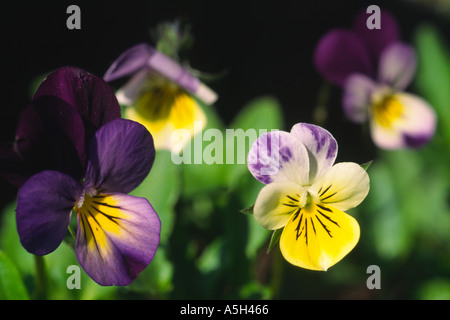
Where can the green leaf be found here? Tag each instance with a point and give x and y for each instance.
(161, 188)
(276, 235)
(11, 284)
(433, 73)
(248, 210)
(366, 165)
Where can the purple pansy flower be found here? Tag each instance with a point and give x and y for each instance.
(374, 68)
(117, 234)
(159, 94)
(54, 129)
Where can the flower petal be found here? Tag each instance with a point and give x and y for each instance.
(173, 71)
(356, 97)
(414, 127)
(121, 156)
(129, 62)
(117, 237)
(276, 202)
(397, 65)
(163, 114)
(318, 238)
(44, 207)
(90, 95)
(341, 53)
(278, 156)
(344, 186)
(321, 146)
(377, 39)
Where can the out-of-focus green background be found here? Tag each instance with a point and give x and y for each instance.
(262, 51)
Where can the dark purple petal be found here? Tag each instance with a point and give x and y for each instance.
(129, 62)
(117, 238)
(44, 206)
(377, 39)
(90, 95)
(341, 53)
(49, 136)
(120, 157)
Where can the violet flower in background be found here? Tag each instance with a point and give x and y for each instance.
(117, 234)
(160, 93)
(374, 68)
(54, 129)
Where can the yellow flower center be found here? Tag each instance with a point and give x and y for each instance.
(386, 110)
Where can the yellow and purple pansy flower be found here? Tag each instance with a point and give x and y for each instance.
(118, 234)
(306, 194)
(160, 94)
(374, 68)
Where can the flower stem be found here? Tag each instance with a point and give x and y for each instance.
(41, 277)
(320, 112)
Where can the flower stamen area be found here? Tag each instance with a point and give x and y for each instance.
(387, 110)
(311, 214)
(98, 214)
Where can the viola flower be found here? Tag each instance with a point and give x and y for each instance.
(307, 194)
(374, 68)
(160, 92)
(55, 128)
(117, 234)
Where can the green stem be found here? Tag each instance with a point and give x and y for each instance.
(41, 277)
(320, 112)
(277, 274)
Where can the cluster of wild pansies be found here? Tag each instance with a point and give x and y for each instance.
(74, 153)
(374, 67)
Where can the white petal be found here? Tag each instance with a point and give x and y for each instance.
(278, 156)
(321, 146)
(344, 186)
(414, 127)
(276, 202)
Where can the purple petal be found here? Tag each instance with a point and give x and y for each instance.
(377, 39)
(356, 97)
(341, 53)
(44, 206)
(397, 65)
(277, 156)
(321, 146)
(90, 95)
(117, 237)
(49, 136)
(172, 70)
(120, 157)
(130, 62)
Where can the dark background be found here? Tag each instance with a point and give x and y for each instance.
(265, 47)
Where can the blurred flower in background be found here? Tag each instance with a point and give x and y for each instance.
(374, 68)
(161, 92)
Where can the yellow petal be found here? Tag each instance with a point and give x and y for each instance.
(319, 236)
(164, 111)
